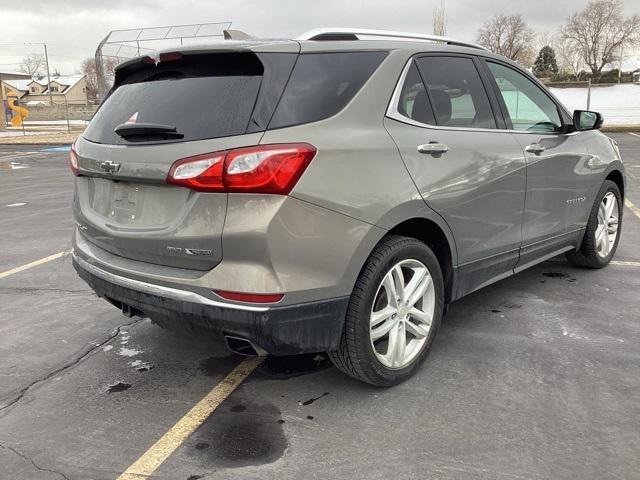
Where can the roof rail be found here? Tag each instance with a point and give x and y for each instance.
(353, 33)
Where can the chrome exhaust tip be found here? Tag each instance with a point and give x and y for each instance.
(244, 347)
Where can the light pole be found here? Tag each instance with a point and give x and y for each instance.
(620, 66)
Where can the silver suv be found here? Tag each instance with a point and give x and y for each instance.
(334, 192)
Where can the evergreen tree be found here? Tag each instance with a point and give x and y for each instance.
(545, 65)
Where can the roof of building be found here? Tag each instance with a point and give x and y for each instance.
(18, 84)
(67, 81)
(13, 75)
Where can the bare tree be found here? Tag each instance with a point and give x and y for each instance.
(88, 68)
(508, 35)
(569, 56)
(599, 31)
(33, 64)
(440, 20)
(543, 39)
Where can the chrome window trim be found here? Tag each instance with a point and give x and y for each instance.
(159, 290)
(394, 114)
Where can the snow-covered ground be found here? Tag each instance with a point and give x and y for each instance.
(55, 122)
(43, 127)
(19, 133)
(619, 104)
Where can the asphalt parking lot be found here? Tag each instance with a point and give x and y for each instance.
(536, 377)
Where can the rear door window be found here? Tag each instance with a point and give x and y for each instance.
(322, 84)
(202, 96)
(456, 92)
(414, 101)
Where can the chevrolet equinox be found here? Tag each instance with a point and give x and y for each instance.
(333, 193)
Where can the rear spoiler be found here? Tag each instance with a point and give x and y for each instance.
(236, 35)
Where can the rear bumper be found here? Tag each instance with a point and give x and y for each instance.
(279, 330)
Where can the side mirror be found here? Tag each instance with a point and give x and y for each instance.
(587, 120)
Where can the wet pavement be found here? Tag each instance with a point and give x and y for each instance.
(536, 376)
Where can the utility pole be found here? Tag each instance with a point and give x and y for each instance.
(620, 66)
(46, 58)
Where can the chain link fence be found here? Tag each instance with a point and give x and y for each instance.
(45, 120)
(121, 45)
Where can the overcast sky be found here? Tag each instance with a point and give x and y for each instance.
(73, 29)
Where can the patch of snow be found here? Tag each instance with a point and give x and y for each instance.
(20, 133)
(55, 122)
(619, 104)
(129, 352)
(106, 348)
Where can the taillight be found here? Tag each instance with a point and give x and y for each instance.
(73, 161)
(202, 172)
(251, 297)
(261, 169)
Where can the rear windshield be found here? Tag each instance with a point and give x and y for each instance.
(322, 84)
(224, 94)
(202, 96)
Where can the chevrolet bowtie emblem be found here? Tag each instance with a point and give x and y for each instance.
(109, 166)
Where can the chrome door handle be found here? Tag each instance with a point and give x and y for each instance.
(433, 148)
(534, 148)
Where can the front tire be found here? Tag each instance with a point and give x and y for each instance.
(603, 230)
(393, 315)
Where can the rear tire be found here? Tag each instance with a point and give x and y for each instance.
(603, 230)
(385, 339)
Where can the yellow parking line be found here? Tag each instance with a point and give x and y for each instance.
(632, 207)
(625, 263)
(12, 155)
(34, 263)
(170, 441)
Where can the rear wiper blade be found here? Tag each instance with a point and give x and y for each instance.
(127, 130)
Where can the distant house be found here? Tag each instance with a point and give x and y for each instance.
(35, 91)
(10, 76)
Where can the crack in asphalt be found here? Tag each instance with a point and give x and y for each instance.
(96, 345)
(30, 460)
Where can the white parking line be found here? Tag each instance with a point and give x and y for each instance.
(14, 155)
(634, 134)
(35, 263)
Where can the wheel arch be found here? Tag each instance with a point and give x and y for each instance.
(616, 177)
(432, 234)
(416, 220)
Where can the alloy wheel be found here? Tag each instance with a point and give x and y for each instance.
(402, 313)
(607, 230)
